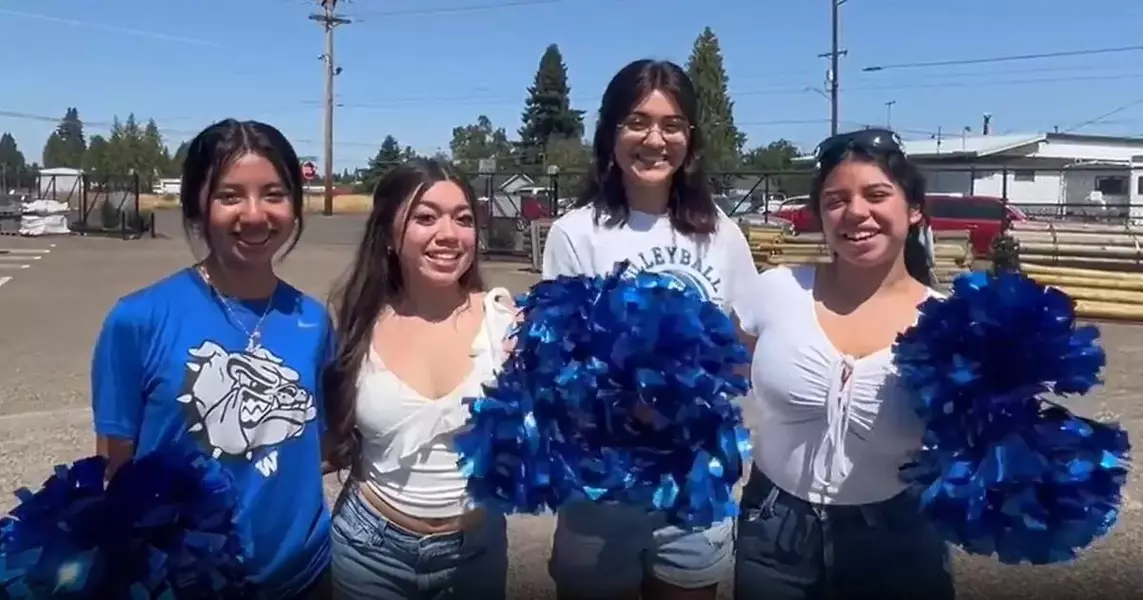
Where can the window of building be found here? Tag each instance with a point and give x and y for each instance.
(1027, 175)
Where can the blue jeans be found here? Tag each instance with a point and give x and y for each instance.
(789, 549)
(373, 558)
(606, 550)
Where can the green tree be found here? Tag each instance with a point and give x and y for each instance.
(96, 161)
(471, 143)
(12, 161)
(66, 146)
(779, 155)
(154, 157)
(388, 155)
(716, 110)
(548, 114)
(573, 157)
(175, 165)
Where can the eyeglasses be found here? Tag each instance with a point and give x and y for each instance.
(669, 128)
(879, 141)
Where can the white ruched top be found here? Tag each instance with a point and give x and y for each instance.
(828, 428)
(408, 458)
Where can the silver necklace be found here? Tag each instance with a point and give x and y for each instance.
(253, 337)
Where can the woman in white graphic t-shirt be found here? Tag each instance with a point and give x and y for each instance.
(825, 514)
(648, 202)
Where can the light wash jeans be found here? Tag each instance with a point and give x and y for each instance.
(373, 558)
(606, 550)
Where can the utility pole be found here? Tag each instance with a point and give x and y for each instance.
(833, 55)
(889, 114)
(329, 20)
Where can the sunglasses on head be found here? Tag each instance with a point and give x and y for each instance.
(874, 141)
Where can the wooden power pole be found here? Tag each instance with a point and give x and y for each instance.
(329, 20)
(834, 64)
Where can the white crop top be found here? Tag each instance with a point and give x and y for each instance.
(408, 458)
(828, 428)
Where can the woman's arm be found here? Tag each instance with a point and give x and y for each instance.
(117, 383)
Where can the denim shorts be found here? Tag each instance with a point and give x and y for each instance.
(603, 550)
(374, 558)
(790, 549)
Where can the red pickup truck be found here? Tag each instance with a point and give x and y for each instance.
(981, 216)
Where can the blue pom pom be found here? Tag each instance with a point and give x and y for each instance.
(162, 527)
(1003, 471)
(618, 389)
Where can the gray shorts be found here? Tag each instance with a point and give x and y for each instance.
(602, 550)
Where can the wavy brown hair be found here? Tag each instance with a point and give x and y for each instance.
(373, 283)
(691, 205)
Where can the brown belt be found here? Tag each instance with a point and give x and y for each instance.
(418, 525)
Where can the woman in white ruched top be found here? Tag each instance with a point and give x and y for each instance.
(825, 515)
(417, 338)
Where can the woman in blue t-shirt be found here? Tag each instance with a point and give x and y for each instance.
(225, 355)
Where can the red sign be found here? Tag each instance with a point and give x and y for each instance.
(309, 171)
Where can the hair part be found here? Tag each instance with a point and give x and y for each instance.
(909, 178)
(214, 150)
(690, 205)
(373, 282)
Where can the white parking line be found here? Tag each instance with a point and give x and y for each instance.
(18, 259)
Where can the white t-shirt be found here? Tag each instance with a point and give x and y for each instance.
(718, 265)
(829, 428)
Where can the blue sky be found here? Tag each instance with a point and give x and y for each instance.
(417, 68)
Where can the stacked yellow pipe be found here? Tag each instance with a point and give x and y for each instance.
(1100, 266)
(772, 247)
(1097, 294)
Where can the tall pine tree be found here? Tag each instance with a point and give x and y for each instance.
(388, 155)
(12, 161)
(548, 115)
(66, 145)
(716, 110)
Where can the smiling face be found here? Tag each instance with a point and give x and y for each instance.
(438, 244)
(865, 215)
(250, 214)
(652, 142)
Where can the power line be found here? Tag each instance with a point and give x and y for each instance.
(1010, 58)
(1105, 115)
(10, 114)
(479, 99)
(461, 9)
(329, 20)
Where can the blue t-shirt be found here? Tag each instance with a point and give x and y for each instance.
(171, 367)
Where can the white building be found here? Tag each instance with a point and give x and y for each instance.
(1046, 173)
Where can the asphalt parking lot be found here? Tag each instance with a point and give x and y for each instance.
(50, 312)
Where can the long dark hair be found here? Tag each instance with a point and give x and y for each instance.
(691, 205)
(216, 148)
(372, 283)
(906, 175)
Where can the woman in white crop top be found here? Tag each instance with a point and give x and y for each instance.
(824, 514)
(417, 336)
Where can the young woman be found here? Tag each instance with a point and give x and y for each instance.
(225, 355)
(418, 336)
(647, 202)
(824, 514)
